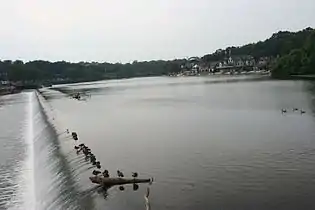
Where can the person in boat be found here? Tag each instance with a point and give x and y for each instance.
(303, 112)
(120, 174)
(283, 111)
(295, 109)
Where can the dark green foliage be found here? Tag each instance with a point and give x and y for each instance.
(279, 44)
(294, 52)
(299, 61)
(62, 71)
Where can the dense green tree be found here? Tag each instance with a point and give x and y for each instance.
(298, 61)
(294, 52)
(278, 44)
(45, 71)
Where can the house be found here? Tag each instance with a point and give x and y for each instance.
(230, 61)
(263, 62)
(238, 62)
(196, 67)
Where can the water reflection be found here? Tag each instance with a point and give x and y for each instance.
(211, 143)
(310, 86)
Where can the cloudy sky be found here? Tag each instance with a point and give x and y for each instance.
(127, 30)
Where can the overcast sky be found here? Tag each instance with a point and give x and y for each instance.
(127, 30)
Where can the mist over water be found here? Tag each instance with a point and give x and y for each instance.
(209, 143)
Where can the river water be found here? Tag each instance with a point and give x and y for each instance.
(210, 143)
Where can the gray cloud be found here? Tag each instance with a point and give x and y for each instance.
(125, 30)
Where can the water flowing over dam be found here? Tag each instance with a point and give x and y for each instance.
(47, 180)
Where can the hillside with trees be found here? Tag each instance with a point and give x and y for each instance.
(292, 53)
(299, 61)
(60, 72)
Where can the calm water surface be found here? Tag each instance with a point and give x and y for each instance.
(209, 143)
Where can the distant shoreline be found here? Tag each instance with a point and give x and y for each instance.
(6, 90)
(308, 77)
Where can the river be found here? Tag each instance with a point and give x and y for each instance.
(209, 142)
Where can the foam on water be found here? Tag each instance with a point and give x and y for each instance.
(24, 196)
(36, 174)
(30, 198)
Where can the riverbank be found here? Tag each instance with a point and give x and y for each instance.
(294, 77)
(8, 90)
(306, 77)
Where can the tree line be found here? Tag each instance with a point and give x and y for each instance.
(57, 72)
(293, 52)
(299, 61)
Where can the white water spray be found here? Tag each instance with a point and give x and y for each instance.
(30, 195)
